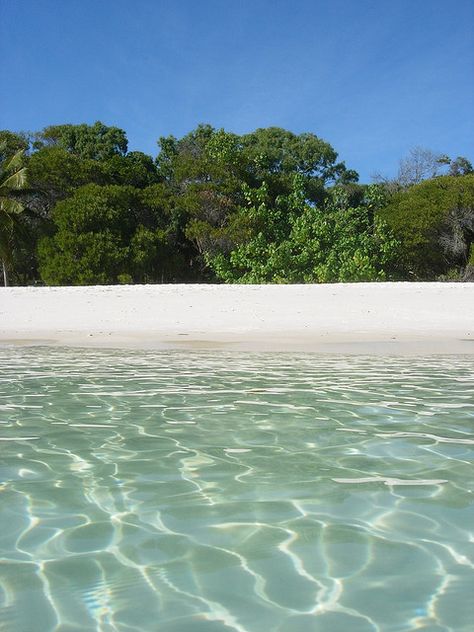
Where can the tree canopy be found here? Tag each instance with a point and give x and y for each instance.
(97, 142)
(421, 218)
(106, 234)
(215, 206)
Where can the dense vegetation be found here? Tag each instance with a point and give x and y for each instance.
(76, 207)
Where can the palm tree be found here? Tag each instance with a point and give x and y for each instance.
(12, 181)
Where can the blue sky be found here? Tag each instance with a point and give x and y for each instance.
(372, 77)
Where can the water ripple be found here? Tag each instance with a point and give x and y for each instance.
(236, 491)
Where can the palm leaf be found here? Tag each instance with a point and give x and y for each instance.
(14, 181)
(15, 162)
(10, 206)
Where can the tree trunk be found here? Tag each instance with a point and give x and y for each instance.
(5, 274)
(469, 269)
(468, 273)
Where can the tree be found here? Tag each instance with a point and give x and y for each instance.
(96, 142)
(460, 167)
(12, 182)
(420, 219)
(174, 263)
(54, 174)
(294, 242)
(134, 169)
(424, 164)
(213, 172)
(275, 155)
(204, 172)
(457, 238)
(91, 244)
(11, 143)
(420, 164)
(106, 234)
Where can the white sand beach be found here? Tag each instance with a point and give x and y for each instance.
(351, 318)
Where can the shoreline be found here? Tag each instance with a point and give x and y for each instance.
(358, 318)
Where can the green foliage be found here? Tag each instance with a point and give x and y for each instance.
(55, 173)
(214, 174)
(418, 218)
(95, 142)
(267, 206)
(203, 170)
(274, 155)
(134, 169)
(203, 155)
(294, 242)
(103, 234)
(12, 184)
(460, 167)
(11, 143)
(91, 242)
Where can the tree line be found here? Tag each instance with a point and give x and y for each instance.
(271, 206)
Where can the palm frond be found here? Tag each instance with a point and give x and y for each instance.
(14, 181)
(10, 206)
(15, 163)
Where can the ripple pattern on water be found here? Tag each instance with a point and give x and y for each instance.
(198, 492)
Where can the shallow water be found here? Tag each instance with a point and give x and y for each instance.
(252, 492)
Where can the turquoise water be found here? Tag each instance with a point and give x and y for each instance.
(194, 491)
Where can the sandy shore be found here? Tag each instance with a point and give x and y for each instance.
(349, 318)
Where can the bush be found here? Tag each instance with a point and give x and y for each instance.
(100, 238)
(420, 219)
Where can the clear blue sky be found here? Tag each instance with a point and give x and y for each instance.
(373, 77)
